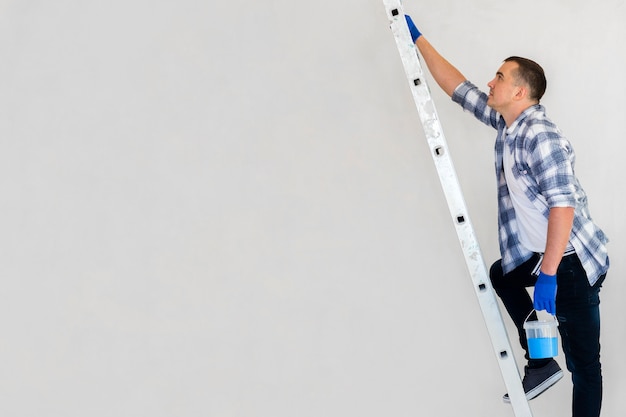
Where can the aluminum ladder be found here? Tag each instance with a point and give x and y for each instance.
(456, 203)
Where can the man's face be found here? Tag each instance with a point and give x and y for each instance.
(502, 88)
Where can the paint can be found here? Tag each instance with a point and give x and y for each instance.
(542, 337)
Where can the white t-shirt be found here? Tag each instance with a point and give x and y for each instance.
(533, 225)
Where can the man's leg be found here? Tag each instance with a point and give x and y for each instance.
(511, 288)
(539, 374)
(578, 312)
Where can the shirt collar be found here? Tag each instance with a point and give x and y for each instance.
(512, 130)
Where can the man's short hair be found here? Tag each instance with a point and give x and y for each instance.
(530, 73)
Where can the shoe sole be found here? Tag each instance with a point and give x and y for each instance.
(539, 389)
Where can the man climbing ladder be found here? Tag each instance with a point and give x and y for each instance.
(547, 238)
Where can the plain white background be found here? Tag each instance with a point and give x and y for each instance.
(228, 209)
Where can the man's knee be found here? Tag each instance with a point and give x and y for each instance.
(496, 273)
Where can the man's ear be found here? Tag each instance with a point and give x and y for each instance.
(521, 92)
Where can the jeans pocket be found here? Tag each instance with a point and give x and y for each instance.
(594, 291)
(567, 287)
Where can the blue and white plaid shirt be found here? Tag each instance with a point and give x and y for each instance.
(544, 164)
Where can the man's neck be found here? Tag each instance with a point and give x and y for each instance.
(511, 115)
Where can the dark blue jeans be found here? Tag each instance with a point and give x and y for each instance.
(578, 313)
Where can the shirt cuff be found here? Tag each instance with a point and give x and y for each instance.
(461, 91)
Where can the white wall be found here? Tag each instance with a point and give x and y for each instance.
(228, 209)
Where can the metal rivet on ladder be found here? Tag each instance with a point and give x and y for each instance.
(460, 219)
(504, 354)
(482, 287)
(439, 150)
(417, 81)
(395, 12)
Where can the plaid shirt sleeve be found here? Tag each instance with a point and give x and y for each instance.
(475, 101)
(551, 159)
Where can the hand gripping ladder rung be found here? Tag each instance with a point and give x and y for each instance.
(454, 196)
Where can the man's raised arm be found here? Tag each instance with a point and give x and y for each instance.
(445, 74)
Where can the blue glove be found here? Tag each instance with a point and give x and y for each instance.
(545, 293)
(415, 33)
